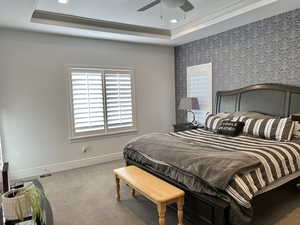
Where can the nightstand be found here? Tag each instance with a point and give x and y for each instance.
(185, 126)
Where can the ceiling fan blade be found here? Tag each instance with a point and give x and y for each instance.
(150, 5)
(187, 6)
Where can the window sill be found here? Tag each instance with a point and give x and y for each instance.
(95, 136)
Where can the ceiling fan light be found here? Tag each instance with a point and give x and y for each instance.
(63, 1)
(173, 21)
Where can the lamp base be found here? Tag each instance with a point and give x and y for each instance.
(194, 122)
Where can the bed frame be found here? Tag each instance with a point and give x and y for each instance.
(272, 99)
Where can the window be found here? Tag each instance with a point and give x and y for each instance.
(102, 101)
(199, 85)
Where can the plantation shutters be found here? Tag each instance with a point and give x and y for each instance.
(118, 99)
(199, 85)
(102, 101)
(88, 108)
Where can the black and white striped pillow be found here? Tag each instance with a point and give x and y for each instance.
(279, 129)
(212, 121)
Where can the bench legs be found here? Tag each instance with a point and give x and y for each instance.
(180, 203)
(161, 208)
(133, 192)
(117, 188)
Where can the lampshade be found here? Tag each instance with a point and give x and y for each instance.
(188, 103)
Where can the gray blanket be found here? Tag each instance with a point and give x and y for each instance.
(213, 165)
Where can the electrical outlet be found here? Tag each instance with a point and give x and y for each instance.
(84, 149)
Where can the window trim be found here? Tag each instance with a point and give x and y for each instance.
(73, 136)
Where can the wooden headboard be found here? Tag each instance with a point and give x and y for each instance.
(272, 99)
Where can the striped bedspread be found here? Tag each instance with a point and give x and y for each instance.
(278, 159)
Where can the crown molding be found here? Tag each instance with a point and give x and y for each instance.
(239, 7)
(64, 20)
(230, 11)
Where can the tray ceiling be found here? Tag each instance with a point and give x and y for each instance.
(120, 20)
(125, 11)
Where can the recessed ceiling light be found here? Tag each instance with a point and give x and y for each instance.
(173, 21)
(63, 1)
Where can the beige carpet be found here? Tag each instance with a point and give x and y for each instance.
(85, 196)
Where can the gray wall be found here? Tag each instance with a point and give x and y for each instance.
(34, 97)
(264, 51)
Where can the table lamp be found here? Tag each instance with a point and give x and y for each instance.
(189, 104)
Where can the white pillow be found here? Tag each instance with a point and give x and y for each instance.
(296, 132)
(223, 114)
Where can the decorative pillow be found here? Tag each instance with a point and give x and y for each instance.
(231, 128)
(296, 132)
(276, 129)
(223, 114)
(212, 121)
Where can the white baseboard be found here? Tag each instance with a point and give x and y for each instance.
(57, 167)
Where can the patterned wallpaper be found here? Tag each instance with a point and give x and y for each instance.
(260, 52)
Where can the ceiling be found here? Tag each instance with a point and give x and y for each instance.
(119, 19)
(125, 11)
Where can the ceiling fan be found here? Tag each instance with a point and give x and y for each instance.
(185, 5)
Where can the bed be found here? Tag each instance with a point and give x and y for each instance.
(205, 205)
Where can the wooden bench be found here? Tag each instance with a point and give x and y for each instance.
(153, 188)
